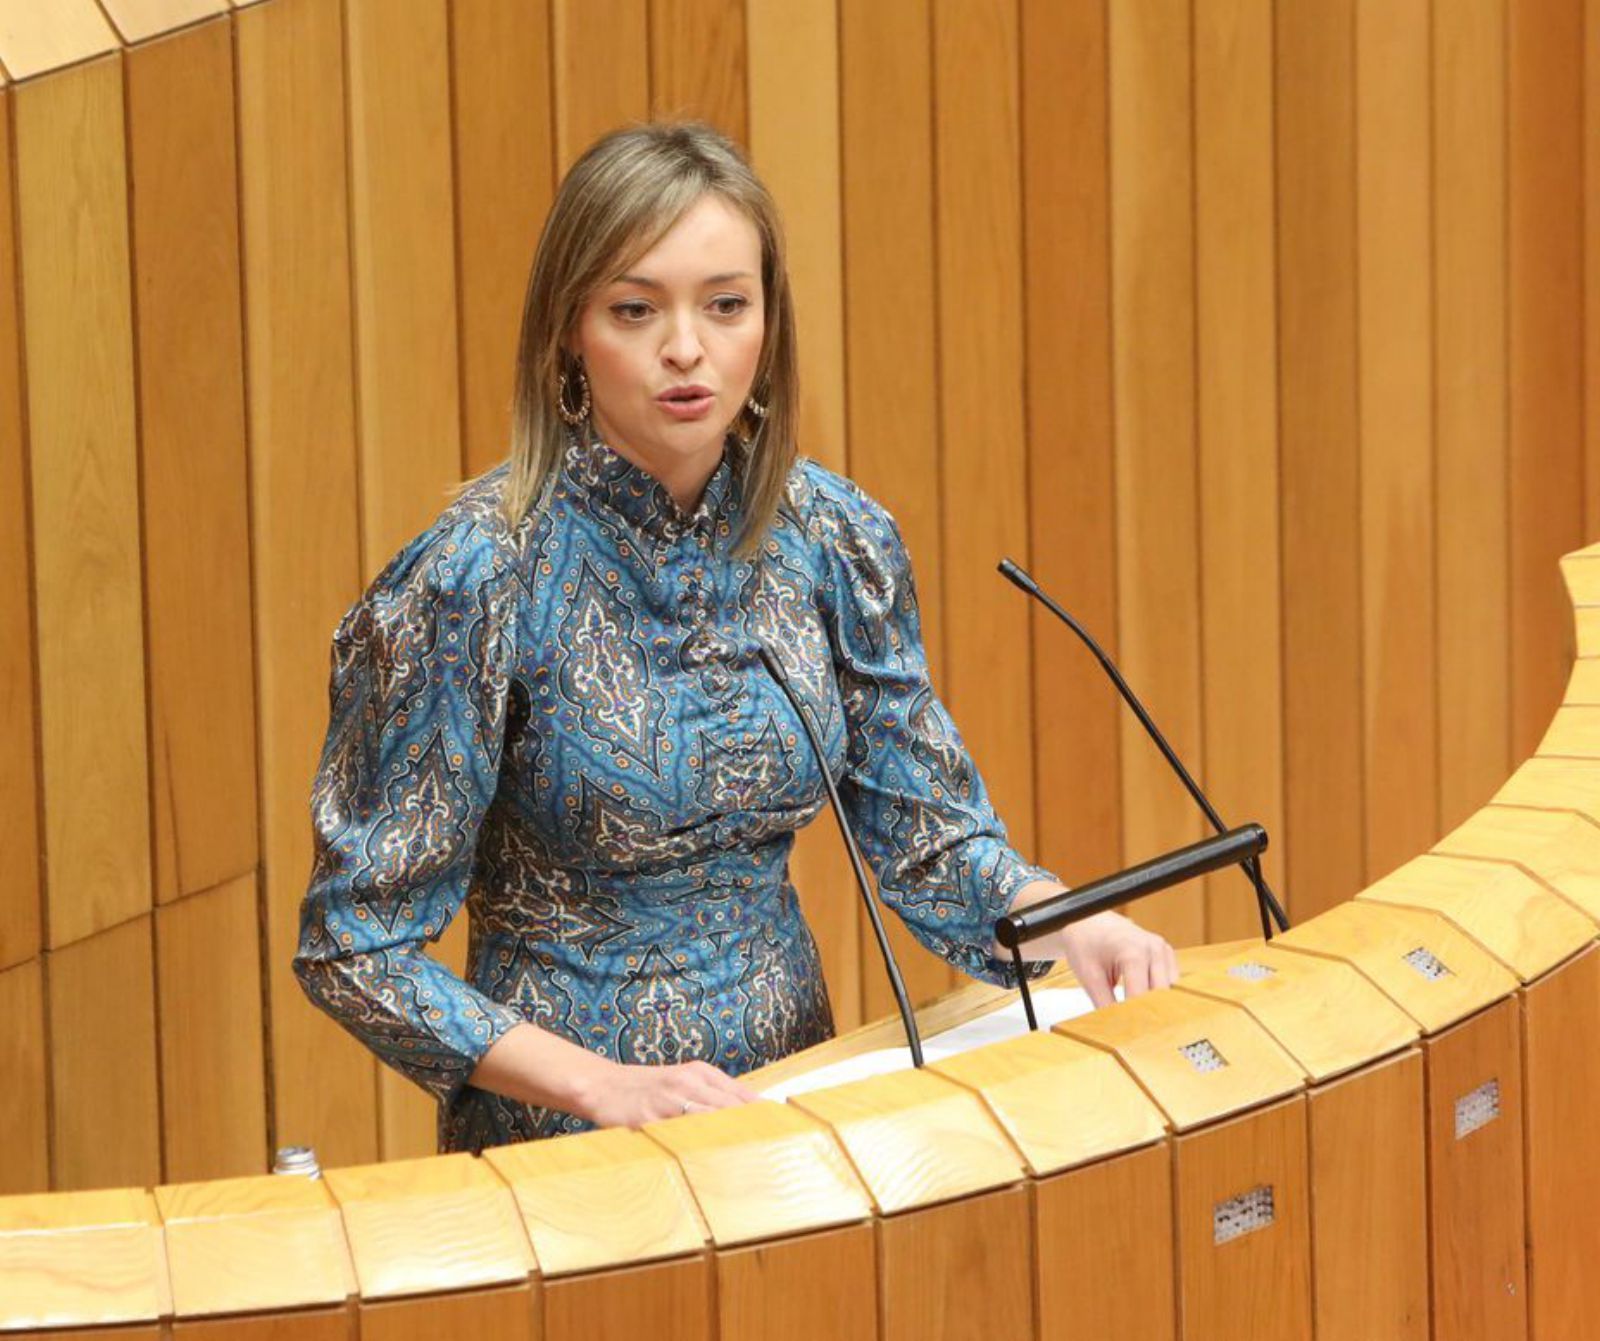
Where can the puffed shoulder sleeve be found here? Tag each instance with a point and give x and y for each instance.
(417, 703)
(920, 809)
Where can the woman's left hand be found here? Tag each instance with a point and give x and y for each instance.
(1108, 949)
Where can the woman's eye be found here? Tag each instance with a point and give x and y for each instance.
(729, 304)
(635, 311)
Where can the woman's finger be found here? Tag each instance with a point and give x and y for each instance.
(1092, 978)
(1134, 975)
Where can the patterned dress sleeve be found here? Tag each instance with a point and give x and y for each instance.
(919, 807)
(417, 702)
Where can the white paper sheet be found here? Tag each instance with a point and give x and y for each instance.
(1051, 1006)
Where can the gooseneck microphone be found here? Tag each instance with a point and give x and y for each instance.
(1266, 902)
(907, 1017)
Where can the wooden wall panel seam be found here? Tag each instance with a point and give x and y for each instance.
(358, 420)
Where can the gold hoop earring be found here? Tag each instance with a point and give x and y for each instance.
(756, 408)
(577, 416)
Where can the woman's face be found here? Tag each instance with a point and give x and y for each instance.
(671, 346)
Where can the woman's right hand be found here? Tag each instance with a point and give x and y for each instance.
(621, 1095)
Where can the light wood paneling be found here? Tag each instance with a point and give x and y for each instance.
(504, 160)
(1119, 1279)
(213, 1097)
(24, 1099)
(105, 1110)
(1071, 489)
(403, 272)
(191, 420)
(292, 190)
(822, 1277)
(502, 1313)
(20, 930)
(601, 58)
(78, 330)
(301, 1325)
(698, 62)
(1395, 393)
(978, 215)
(1157, 507)
(669, 1300)
(1591, 267)
(1545, 254)
(1237, 423)
(885, 77)
(794, 128)
(36, 38)
(1369, 1224)
(1318, 457)
(1469, 274)
(960, 1269)
(139, 20)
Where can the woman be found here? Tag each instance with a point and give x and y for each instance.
(550, 705)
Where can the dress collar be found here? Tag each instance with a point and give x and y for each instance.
(641, 499)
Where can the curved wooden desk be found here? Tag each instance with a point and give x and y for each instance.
(1375, 1127)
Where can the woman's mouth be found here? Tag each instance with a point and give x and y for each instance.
(686, 402)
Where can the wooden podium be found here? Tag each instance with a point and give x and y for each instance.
(1374, 1127)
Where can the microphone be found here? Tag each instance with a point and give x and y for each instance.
(776, 671)
(1266, 902)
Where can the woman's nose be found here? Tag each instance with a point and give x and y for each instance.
(683, 348)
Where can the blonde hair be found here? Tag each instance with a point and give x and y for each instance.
(626, 191)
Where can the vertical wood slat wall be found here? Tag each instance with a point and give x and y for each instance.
(1259, 331)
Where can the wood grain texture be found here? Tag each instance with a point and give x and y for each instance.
(601, 58)
(103, 1061)
(1325, 1014)
(320, 1324)
(21, 934)
(1395, 393)
(1059, 1102)
(213, 1076)
(891, 361)
(978, 215)
(1148, 1033)
(140, 20)
(798, 1288)
(1157, 504)
(1544, 176)
(83, 1259)
(1470, 387)
(915, 1138)
(37, 38)
(698, 62)
(604, 1199)
(1515, 917)
(1066, 200)
(960, 1269)
(670, 1300)
(193, 466)
(24, 1108)
(504, 1313)
(1554, 784)
(1237, 436)
(794, 130)
(1369, 1214)
(1560, 1015)
(72, 223)
(1259, 1283)
(419, 1226)
(257, 1244)
(1475, 1182)
(762, 1170)
(402, 239)
(504, 133)
(1591, 267)
(1117, 1280)
(1319, 509)
(1560, 849)
(292, 191)
(1377, 939)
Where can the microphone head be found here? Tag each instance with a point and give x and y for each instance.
(1015, 575)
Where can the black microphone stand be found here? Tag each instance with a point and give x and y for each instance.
(1266, 902)
(907, 1015)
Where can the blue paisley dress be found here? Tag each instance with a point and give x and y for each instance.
(565, 726)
